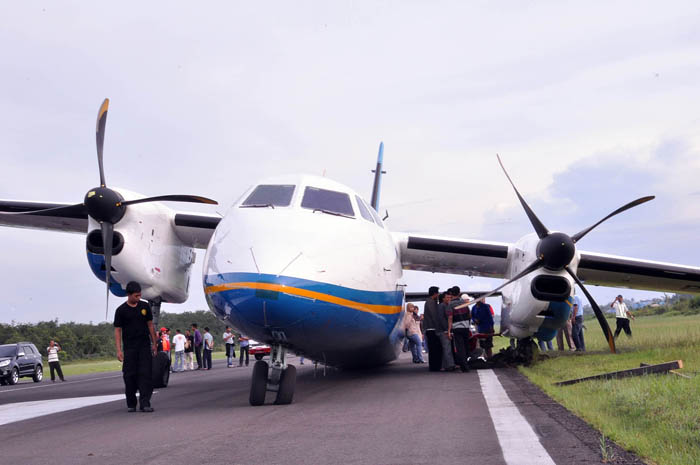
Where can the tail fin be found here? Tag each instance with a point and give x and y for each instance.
(378, 178)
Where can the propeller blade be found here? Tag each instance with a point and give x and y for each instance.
(77, 210)
(172, 198)
(532, 267)
(596, 309)
(100, 136)
(576, 237)
(107, 237)
(540, 228)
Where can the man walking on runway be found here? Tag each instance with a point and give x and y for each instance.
(133, 329)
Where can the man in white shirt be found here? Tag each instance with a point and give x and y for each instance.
(52, 351)
(230, 346)
(577, 325)
(208, 348)
(622, 315)
(179, 341)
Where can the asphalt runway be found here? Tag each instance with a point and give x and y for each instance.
(398, 414)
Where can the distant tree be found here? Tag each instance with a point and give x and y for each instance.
(83, 341)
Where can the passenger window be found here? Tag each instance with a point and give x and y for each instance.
(363, 210)
(267, 195)
(335, 203)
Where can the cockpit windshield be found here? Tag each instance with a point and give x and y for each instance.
(270, 195)
(331, 202)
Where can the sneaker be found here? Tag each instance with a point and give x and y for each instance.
(131, 409)
(147, 409)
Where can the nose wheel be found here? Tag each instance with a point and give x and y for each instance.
(278, 377)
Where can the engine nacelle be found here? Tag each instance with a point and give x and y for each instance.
(146, 249)
(539, 303)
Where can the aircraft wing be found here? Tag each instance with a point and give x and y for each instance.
(483, 258)
(453, 256)
(614, 271)
(73, 220)
(423, 296)
(194, 229)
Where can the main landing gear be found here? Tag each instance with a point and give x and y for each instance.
(278, 377)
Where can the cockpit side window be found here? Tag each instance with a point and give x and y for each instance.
(363, 209)
(332, 202)
(376, 217)
(270, 195)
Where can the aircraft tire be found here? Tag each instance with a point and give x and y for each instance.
(258, 384)
(288, 382)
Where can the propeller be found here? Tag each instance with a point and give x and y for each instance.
(107, 206)
(556, 250)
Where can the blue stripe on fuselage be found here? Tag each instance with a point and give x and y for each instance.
(322, 330)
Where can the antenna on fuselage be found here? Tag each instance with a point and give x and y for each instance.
(378, 171)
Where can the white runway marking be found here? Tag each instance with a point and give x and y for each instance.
(519, 443)
(59, 383)
(19, 411)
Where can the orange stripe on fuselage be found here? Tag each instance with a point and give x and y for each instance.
(383, 309)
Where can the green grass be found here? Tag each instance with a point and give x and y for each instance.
(656, 416)
(101, 366)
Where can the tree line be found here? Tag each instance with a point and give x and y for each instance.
(94, 341)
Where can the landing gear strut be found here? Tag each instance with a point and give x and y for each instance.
(278, 377)
(525, 351)
(155, 309)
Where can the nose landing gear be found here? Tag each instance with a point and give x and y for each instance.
(278, 377)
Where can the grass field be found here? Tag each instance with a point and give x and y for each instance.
(100, 366)
(656, 416)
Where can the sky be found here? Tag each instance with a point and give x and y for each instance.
(589, 106)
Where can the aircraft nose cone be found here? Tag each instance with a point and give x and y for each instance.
(102, 204)
(556, 251)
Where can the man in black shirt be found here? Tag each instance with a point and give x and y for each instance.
(133, 326)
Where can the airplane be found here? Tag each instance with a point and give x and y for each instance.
(306, 265)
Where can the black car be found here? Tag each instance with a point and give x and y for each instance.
(20, 359)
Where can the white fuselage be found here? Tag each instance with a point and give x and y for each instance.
(322, 284)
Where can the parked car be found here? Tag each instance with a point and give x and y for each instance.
(258, 349)
(20, 360)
